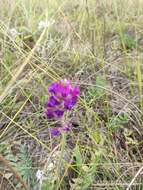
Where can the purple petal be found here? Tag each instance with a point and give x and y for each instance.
(49, 114)
(53, 88)
(75, 91)
(53, 102)
(65, 87)
(59, 113)
(54, 131)
(65, 91)
(70, 103)
(66, 129)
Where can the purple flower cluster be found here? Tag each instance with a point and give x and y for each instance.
(63, 98)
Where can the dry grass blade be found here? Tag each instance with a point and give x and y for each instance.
(131, 183)
(114, 184)
(19, 71)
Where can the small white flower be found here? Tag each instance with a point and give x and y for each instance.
(45, 24)
(13, 33)
(40, 178)
(40, 175)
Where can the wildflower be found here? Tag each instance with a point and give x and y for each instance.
(13, 33)
(40, 175)
(56, 131)
(45, 24)
(63, 98)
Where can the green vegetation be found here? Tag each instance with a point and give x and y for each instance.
(98, 45)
